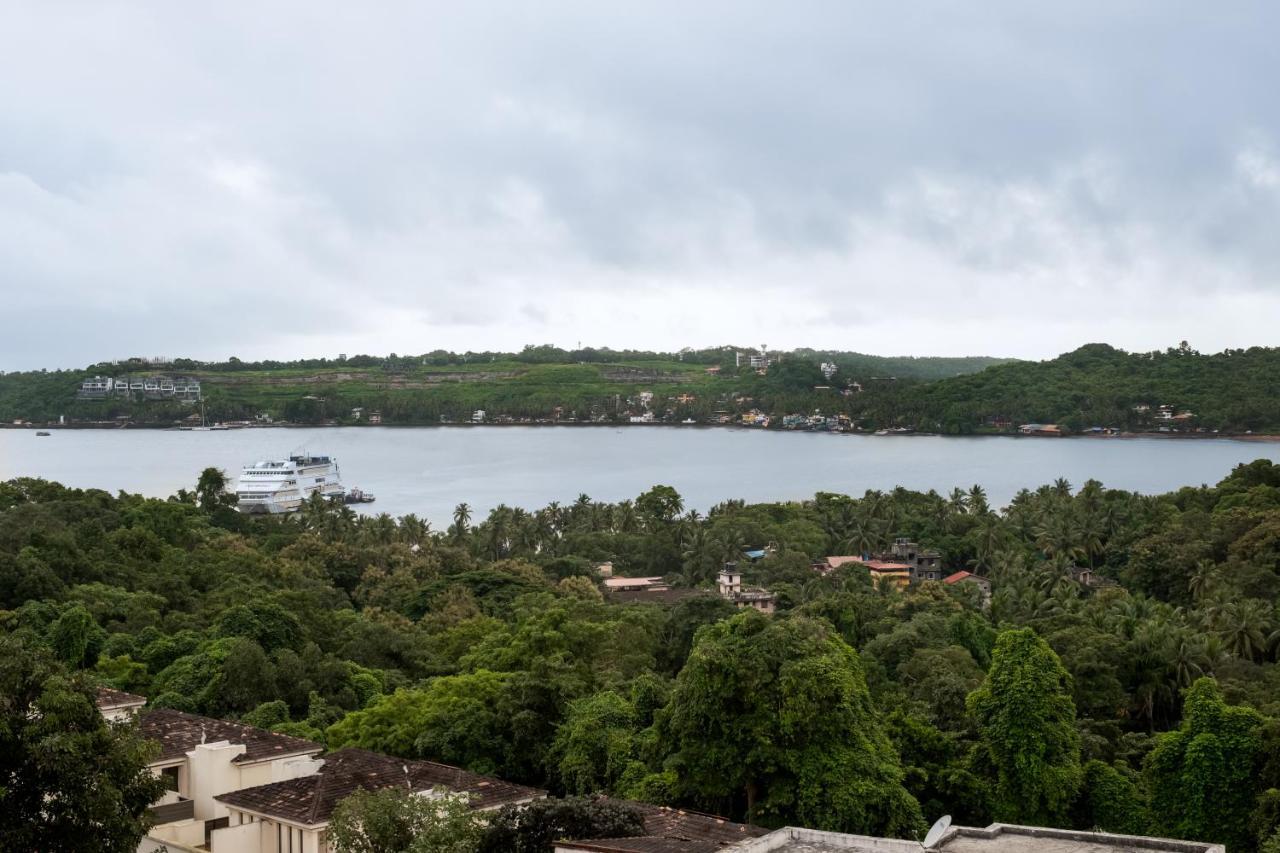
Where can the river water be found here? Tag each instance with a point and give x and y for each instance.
(428, 471)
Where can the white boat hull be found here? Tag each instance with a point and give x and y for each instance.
(275, 487)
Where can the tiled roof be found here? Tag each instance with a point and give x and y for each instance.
(311, 799)
(662, 596)
(669, 830)
(645, 844)
(633, 583)
(886, 566)
(109, 698)
(964, 576)
(872, 564)
(178, 733)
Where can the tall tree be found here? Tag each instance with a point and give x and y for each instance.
(66, 775)
(1203, 776)
(1027, 722)
(774, 715)
(535, 827)
(396, 820)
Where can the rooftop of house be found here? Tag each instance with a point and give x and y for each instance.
(962, 575)
(310, 800)
(178, 733)
(110, 699)
(872, 564)
(997, 838)
(633, 583)
(662, 595)
(669, 830)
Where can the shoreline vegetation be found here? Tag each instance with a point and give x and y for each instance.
(1093, 390)
(1118, 436)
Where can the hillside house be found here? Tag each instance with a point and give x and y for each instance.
(926, 563)
(982, 584)
(96, 387)
(894, 572)
(202, 757)
(613, 584)
(292, 815)
(116, 705)
(729, 585)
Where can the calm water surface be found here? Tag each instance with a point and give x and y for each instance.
(430, 470)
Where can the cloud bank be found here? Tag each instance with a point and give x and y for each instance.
(285, 179)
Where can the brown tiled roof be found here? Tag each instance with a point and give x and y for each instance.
(109, 697)
(669, 830)
(311, 799)
(645, 844)
(661, 596)
(178, 733)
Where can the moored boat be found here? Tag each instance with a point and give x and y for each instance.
(283, 485)
(358, 496)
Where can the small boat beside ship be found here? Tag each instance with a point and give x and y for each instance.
(358, 496)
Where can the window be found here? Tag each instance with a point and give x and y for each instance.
(170, 777)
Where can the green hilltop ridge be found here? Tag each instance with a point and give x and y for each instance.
(1098, 385)
(1234, 391)
(539, 382)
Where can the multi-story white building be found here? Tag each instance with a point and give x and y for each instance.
(96, 386)
(292, 816)
(234, 788)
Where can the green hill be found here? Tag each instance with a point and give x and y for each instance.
(536, 383)
(1098, 385)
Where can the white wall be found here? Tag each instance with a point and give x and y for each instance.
(212, 773)
(246, 838)
(185, 833)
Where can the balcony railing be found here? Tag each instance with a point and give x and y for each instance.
(173, 807)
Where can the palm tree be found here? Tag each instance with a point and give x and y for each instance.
(1204, 580)
(1245, 626)
(1186, 658)
(978, 501)
(414, 530)
(991, 537)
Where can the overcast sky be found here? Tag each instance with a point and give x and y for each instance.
(283, 179)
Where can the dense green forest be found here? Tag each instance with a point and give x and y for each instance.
(1098, 385)
(1147, 702)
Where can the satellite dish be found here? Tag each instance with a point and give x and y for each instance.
(934, 835)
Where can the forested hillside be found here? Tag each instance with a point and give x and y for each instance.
(1235, 391)
(1146, 701)
(538, 382)
(1098, 385)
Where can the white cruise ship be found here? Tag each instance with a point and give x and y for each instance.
(274, 486)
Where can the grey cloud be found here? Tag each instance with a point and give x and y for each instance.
(483, 175)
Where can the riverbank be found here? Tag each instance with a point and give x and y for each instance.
(114, 426)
